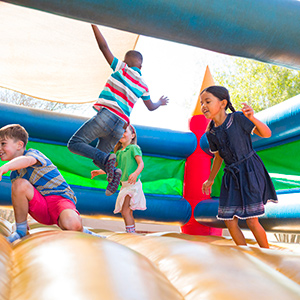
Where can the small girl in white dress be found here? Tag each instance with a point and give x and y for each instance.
(129, 160)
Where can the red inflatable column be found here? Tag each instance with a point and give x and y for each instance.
(197, 169)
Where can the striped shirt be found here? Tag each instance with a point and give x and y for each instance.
(44, 176)
(123, 88)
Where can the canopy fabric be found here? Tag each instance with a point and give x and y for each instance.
(55, 58)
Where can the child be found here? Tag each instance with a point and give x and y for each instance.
(37, 186)
(124, 87)
(246, 184)
(131, 195)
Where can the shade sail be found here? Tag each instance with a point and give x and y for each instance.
(55, 58)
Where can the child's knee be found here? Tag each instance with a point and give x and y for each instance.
(231, 223)
(70, 144)
(252, 222)
(70, 220)
(21, 185)
(125, 212)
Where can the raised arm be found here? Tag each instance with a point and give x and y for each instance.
(103, 45)
(154, 105)
(261, 129)
(17, 163)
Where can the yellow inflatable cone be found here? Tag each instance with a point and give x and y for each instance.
(207, 81)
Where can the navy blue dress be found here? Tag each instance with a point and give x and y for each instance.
(246, 185)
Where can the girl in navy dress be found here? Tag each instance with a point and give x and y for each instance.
(246, 185)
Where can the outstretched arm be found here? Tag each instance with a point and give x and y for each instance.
(217, 162)
(154, 105)
(103, 45)
(17, 163)
(261, 129)
(95, 173)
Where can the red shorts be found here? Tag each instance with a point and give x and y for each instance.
(46, 209)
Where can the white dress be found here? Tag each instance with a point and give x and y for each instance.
(135, 191)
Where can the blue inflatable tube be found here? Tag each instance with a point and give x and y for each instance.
(160, 208)
(261, 29)
(91, 201)
(283, 216)
(50, 127)
(284, 121)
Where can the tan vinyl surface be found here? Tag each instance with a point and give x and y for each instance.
(54, 264)
(54, 58)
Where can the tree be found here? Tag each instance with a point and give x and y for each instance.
(259, 84)
(11, 97)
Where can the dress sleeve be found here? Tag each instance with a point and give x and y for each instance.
(244, 122)
(211, 142)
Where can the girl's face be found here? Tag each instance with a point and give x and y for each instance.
(127, 136)
(211, 106)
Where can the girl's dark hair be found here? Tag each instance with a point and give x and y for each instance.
(133, 141)
(221, 93)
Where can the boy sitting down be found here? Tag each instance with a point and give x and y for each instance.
(38, 188)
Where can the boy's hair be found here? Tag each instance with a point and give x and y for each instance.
(15, 132)
(221, 93)
(135, 55)
(133, 141)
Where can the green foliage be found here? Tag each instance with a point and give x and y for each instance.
(259, 84)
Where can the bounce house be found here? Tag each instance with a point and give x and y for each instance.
(198, 263)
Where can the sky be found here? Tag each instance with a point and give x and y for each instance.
(176, 71)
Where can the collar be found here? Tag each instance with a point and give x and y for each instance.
(137, 70)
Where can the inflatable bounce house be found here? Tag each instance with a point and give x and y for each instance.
(198, 263)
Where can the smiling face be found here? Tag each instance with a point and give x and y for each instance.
(212, 106)
(10, 148)
(127, 137)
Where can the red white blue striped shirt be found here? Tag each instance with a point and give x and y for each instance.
(122, 90)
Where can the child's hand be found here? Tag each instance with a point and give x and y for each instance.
(206, 187)
(163, 100)
(95, 173)
(247, 110)
(132, 178)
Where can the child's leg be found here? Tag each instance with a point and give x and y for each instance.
(79, 142)
(258, 232)
(127, 215)
(69, 219)
(21, 193)
(235, 231)
(106, 127)
(63, 213)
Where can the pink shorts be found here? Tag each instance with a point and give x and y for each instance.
(46, 209)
